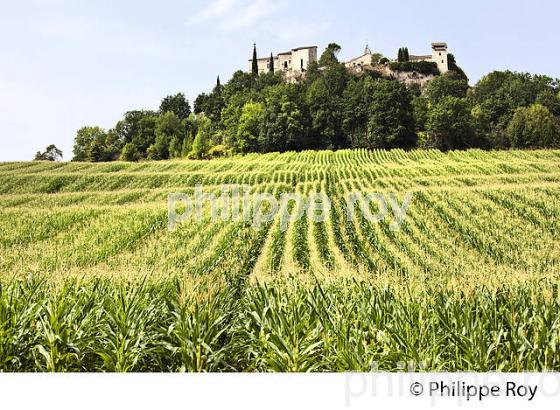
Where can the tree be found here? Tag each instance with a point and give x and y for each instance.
(130, 153)
(249, 127)
(330, 55)
(357, 98)
(51, 153)
(176, 104)
(146, 132)
(89, 144)
(159, 149)
(191, 128)
(169, 128)
(449, 84)
(452, 66)
(218, 83)
(211, 104)
(533, 127)
(376, 58)
(271, 63)
(420, 108)
(403, 56)
(284, 121)
(113, 146)
(324, 100)
(449, 125)
(497, 96)
(255, 65)
(391, 123)
(137, 127)
(96, 151)
(201, 143)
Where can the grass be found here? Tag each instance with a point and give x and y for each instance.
(91, 280)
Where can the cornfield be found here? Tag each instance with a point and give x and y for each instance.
(91, 279)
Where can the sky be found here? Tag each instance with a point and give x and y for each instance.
(65, 64)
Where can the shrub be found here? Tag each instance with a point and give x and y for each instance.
(219, 151)
(422, 67)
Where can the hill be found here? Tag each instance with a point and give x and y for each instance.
(468, 282)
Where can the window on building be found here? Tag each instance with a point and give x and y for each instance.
(301, 63)
(285, 64)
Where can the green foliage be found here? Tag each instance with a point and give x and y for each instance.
(446, 85)
(420, 108)
(449, 125)
(376, 58)
(284, 122)
(390, 123)
(51, 153)
(210, 105)
(330, 55)
(169, 128)
(324, 99)
(422, 67)
(403, 55)
(255, 64)
(130, 153)
(219, 151)
(452, 66)
(499, 94)
(93, 281)
(248, 128)
(176, 104)
(533, 127)
(93, 144)
(105, 326)
(201, 144)
(329, 108)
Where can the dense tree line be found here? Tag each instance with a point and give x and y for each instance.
(333, 109)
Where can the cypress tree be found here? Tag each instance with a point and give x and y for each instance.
(400, 55)
(406, 56)
(218, 83)
(255, 64)
(271, 63)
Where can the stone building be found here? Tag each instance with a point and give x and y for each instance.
(294, 61)
(358, 63)
(438, 56)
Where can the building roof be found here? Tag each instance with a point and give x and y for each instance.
(263, 59)
(357, 58)
(439, 45)
(414, 58)
(303, 48)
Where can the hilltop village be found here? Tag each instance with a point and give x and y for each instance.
(407, 68)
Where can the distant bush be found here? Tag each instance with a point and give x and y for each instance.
(219, 151)
(422, 67)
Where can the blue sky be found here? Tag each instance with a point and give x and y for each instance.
(69, 63)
